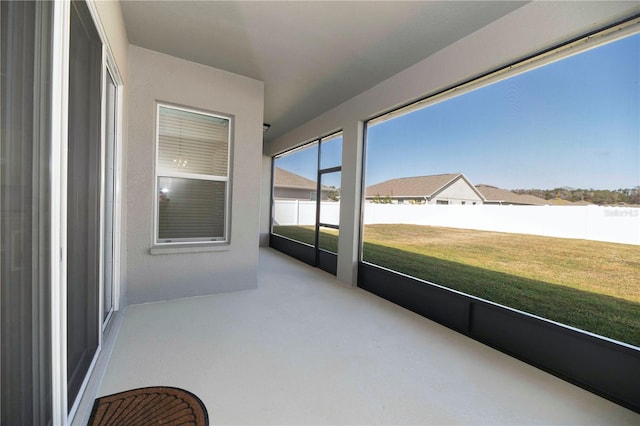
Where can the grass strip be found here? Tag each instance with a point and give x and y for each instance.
(589, 285)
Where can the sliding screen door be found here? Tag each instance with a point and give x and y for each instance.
(328, 202)
(25, 215)
(83, 198)
(306, 202)
(109, 196)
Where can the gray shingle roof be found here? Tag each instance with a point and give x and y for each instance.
(497, 195)
(286, 179)
(416, 186)
(428, 186)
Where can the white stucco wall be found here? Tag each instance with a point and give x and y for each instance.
(535, 27)
(158, 77)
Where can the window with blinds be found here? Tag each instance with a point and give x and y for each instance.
(192, 175)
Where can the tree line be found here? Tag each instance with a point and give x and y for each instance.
(592, 196)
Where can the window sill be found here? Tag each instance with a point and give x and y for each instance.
(189, 248)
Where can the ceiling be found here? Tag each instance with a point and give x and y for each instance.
(311, 55)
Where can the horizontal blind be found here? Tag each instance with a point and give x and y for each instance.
(191, 208)
(190, 142)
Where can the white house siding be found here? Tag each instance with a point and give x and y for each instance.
(280, 193)
(292, 193)
(456, 193)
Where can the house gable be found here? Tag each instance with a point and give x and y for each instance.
(458, 191)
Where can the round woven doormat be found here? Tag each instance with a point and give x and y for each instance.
(159, 405)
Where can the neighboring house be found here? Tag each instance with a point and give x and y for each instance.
(290, 186)
(452, 188)
(494, 195)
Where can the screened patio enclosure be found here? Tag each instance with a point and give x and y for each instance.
(151, 152)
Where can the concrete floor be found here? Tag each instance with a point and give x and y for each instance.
(303, 349)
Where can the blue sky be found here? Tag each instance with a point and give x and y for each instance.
(575, 122)
(304, 162)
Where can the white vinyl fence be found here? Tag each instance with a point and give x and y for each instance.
(611, 224)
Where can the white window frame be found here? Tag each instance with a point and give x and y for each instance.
(158, 172)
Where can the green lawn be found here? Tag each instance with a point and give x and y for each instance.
(590, 285)
(306, 234)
